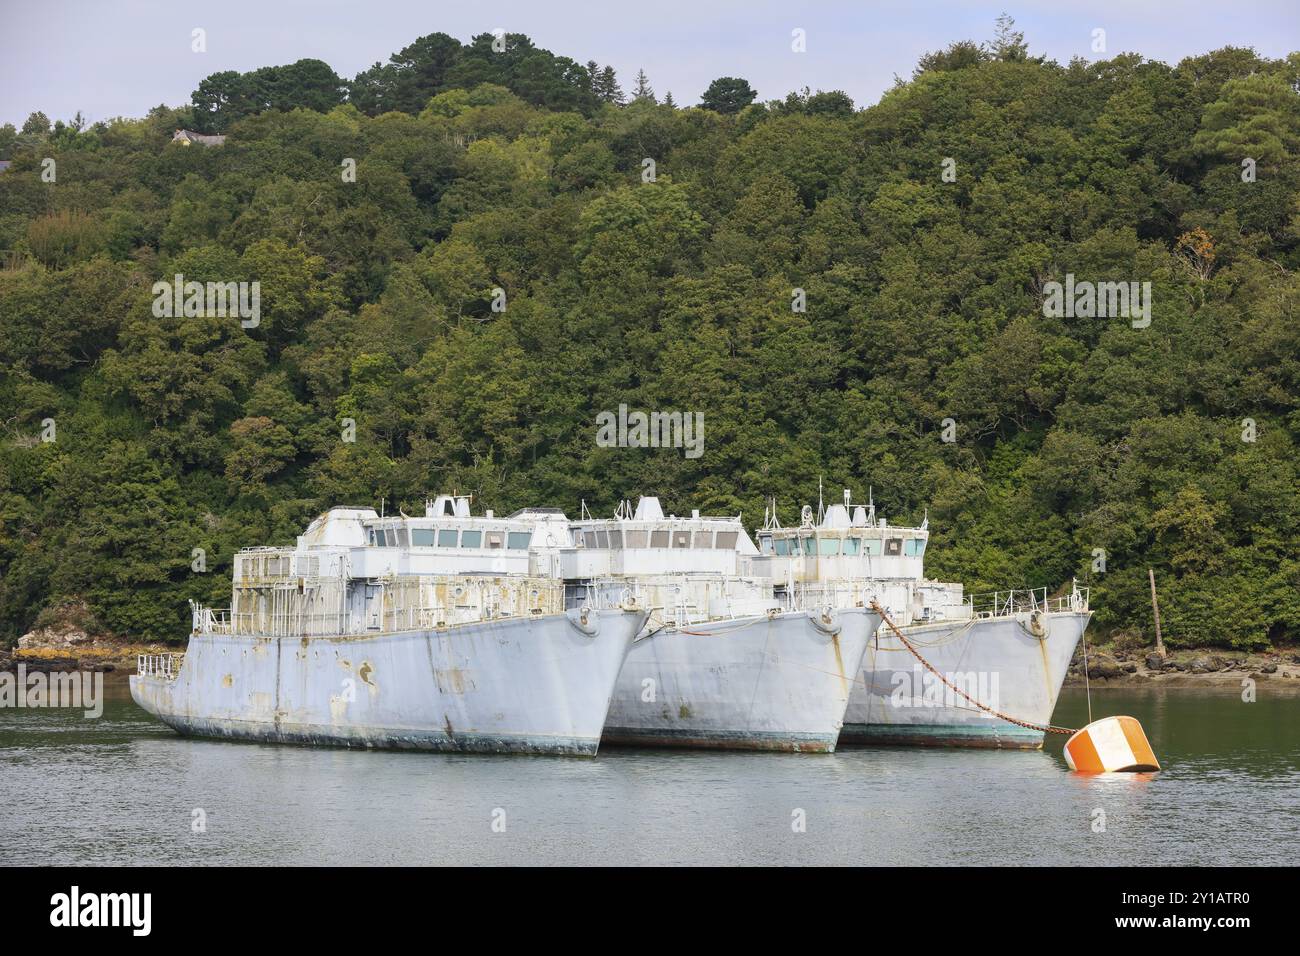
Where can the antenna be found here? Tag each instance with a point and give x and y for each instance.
(821, 508)
(871, 505)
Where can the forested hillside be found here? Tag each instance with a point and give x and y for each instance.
(500, 271)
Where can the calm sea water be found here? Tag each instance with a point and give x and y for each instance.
(123, 789)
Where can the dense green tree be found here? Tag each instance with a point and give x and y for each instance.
(409, 79)
(37, 123)
(8, 137)
(227, 97)
(643, 90)
(605, 84)
(727, 94)
(1256, 117)
(1009, 43)
(956, 56)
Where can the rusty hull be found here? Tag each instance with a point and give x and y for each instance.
(513, 685)
(896, 702)
(780, 683)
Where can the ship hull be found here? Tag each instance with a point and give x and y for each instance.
(998, 661)
(762, 683)
(537, 685)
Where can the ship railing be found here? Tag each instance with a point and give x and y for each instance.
(391, 621)
(685, 607)
(164, 666)
(1027, 600)
(206, 620)
(609, 594)
(669, 614)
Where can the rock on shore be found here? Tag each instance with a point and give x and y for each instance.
(1203, 667)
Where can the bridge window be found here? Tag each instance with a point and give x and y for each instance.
(681, 539)
(871, 546)
(726, 541)
(828, 547)
(893, 547)
(658, 539)
(636, 539)
(602, 539)
(519, 540)
(471, 539)
(422, 537)
(915, 547)
(447, 538)
(589, 538)
(852, 546)
(808, 546)
(782, 546)
(703, 539)
(616, 540)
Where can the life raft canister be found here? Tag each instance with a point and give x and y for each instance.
(1111, 745)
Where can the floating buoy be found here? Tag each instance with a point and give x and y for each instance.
(1111, 745)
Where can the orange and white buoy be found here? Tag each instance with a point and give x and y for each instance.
(1110, 745)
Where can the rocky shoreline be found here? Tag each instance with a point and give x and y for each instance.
(1108, 667)
(65, 647)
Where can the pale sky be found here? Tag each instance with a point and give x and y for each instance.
(122, 57)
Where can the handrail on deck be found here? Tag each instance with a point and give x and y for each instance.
(165, 666)
(1021, 600)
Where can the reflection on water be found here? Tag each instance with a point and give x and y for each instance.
(123, 789)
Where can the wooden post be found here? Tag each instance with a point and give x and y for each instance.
(1155, 609)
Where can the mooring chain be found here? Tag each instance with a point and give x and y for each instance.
(1046, 728)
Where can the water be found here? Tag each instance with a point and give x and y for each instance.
(123, 789)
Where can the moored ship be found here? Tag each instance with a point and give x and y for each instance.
(448, 632)
(723, 662)
(1009, 651)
